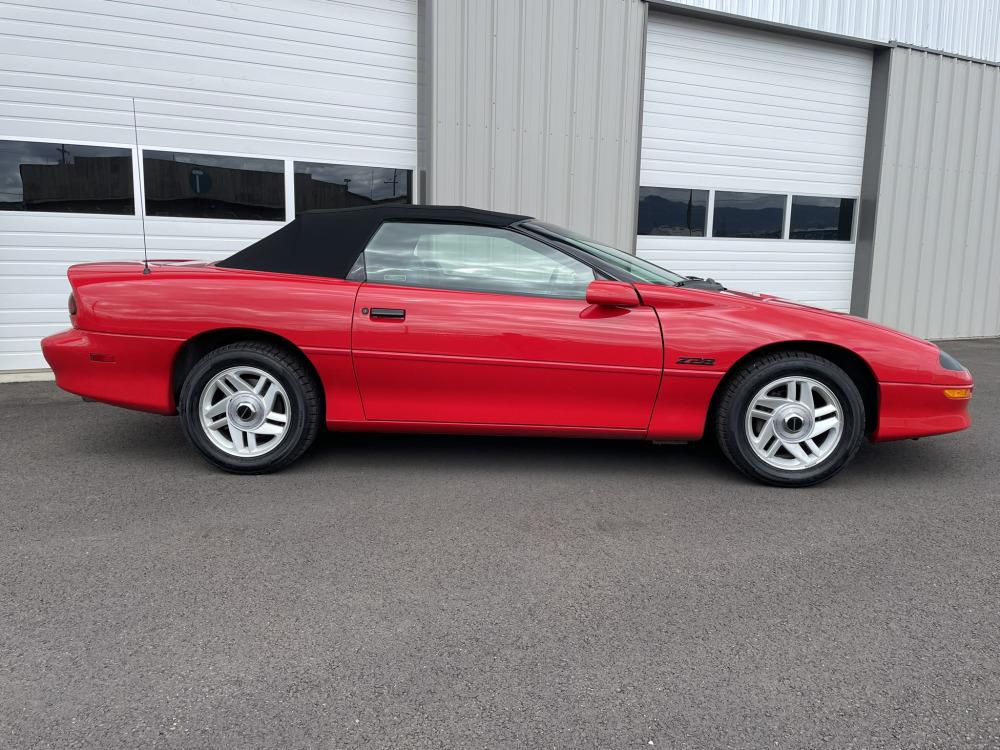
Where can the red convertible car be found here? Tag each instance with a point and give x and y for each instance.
(447, 319)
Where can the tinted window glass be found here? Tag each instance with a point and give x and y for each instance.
(755, 215)
(213, 187)
(65, 177)
(475, 259)
(637, 268)
(343, 185)
(821, 218)
(672, 211)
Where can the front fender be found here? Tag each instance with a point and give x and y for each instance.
(706, 334)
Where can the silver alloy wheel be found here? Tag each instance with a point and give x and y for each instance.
(794, 423)
(244, 411)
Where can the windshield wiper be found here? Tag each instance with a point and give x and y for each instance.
(700, 283)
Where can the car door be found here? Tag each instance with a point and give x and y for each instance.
(460, 324)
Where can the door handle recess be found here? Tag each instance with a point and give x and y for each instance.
(388, 312)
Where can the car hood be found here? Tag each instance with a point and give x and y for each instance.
(769, 299)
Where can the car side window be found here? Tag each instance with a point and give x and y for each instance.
(472, 259)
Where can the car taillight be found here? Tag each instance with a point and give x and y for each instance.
(72, 305)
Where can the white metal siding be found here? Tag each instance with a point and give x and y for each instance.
(730, 108)
(959, 27)
(936, 262)
(322, 80)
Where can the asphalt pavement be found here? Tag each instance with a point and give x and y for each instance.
(441, 592)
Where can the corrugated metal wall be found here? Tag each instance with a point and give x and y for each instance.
(960, 27)
(534, 108)
(936, 260)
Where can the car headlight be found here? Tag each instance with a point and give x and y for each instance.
(948, 362)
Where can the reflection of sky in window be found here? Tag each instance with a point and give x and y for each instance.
(15, 153)
(749, 200)
(375, 183)
(223, 162)
(808, 200)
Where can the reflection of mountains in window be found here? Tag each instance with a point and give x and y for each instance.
(748, 215)
(344, 185)
(821, 218)
(672, 211)
(65, 178)
(214, 187)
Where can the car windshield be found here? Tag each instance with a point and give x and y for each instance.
(639, 269)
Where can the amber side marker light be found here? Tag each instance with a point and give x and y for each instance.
(958, 393)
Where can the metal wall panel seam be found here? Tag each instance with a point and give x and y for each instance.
(981, 186)
(963, 199)
(990, 323)
(571, 126)
(597, 115)
(517, 131)
(546, 111)
(929, 220)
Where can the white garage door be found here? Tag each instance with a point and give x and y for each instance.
(245, 111)
(752, 150)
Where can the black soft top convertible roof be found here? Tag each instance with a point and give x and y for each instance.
(327, 242)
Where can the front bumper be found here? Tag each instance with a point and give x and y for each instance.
(129, 371)
(911, 410)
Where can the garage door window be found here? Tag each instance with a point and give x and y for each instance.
(672, 212)
(821, 218)
(65, 177)
(749, 215)
(205, 186)
(345, 185)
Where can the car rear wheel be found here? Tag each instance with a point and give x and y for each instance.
(791, 419)
(250, 407)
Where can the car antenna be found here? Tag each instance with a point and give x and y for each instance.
(142, 199)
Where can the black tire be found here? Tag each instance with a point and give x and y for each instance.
(304, 404)
(740, 391)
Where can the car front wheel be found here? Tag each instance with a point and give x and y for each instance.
(791, 419)
(250, 407)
